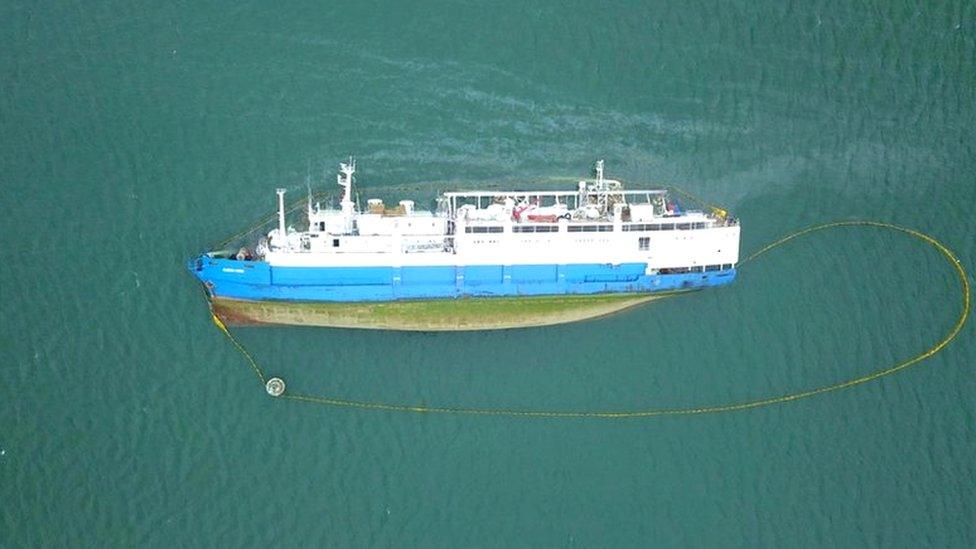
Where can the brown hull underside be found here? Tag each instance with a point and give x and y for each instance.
(431, 315)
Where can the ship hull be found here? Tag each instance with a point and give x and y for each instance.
(462, 314)
(259, 281)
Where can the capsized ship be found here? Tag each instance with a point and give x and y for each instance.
(595, 239)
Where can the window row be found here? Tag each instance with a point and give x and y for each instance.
(536, 229)
(603, 228)
(590, 228)
(664, 226)
(697, 269)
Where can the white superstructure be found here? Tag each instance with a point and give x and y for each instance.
(597, 223)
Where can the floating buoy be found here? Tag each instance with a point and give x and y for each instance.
(275, 387)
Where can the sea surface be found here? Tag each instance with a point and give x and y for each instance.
(135, 134)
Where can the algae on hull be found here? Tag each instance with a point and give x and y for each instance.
(488, 313)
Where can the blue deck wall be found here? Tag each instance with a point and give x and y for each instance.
(255, 280)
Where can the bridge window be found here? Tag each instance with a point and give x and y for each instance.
(644, 243)
(335, 242)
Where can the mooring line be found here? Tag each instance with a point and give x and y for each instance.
(626, 414)
(250, 360)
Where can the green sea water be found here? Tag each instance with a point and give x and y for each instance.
(133, 134)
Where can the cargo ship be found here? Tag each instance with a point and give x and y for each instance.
(595, 239)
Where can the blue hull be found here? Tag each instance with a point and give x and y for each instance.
(258, 281)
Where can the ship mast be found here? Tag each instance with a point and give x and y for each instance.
(601, 187)
(345, 181)
(281, 214)
(308, 186)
